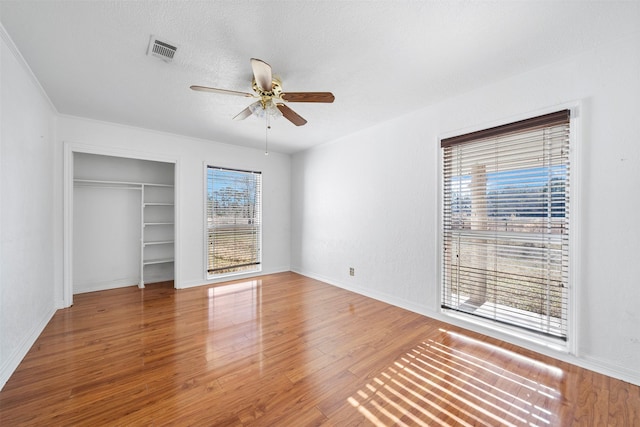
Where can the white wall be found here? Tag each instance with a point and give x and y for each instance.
(191, 156)
(370, 200)
(106, 238)
(27, 236)
(109, 168)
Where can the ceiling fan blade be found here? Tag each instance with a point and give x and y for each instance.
(291, 115)
(262, 74)
(308, 96)
(222, 91)
(243, 114)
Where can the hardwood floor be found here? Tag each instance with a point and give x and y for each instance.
(286, 350)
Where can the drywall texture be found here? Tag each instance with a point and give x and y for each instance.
(371, 200)
(27, 273)
(110, 168)
(106, 238)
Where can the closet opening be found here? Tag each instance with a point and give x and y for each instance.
(122, 222)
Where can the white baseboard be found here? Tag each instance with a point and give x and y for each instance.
(620, 372)
(103, 286)
(11, 363)
(584, 361)
(195, 283)
(389, 299)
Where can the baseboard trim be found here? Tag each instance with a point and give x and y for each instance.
(205, 282)
(620, 372)
(389, 299)
(103, 286)
(11, 363)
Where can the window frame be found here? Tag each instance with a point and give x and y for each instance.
(523, 337)
(258, 265)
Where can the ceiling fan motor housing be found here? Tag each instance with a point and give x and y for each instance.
(275, 92)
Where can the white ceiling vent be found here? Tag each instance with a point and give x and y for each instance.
(161, 49)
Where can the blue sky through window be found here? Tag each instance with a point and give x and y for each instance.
(519, 192)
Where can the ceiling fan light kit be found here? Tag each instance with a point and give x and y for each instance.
(262, 109)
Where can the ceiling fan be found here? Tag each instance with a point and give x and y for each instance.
(268, 90)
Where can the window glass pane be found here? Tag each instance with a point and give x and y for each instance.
(233, 220)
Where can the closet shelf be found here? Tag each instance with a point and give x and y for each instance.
(158, 242)
(157, 223)
(157, 261)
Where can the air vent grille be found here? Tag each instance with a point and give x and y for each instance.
(161, 49)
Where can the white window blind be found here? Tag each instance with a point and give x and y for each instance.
(234, 226)
(506, 224)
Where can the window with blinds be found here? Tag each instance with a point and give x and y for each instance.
(234, 226)
(506, 224)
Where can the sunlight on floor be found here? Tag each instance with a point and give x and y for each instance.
(236, 308)
(507, 353)
(439, 383)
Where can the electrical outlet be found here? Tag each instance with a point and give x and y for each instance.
(352, 271)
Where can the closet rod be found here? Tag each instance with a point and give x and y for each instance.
(108, 187)
(100, 183)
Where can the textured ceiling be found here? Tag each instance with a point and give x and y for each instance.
(381, 59)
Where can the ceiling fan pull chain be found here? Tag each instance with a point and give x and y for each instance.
(266, 135)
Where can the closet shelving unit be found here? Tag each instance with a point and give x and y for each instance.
(156, 217)
(156, 220)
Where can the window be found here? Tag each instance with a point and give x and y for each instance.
(506, 224)
(234, 214)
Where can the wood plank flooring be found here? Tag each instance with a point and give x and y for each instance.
(286, 350)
